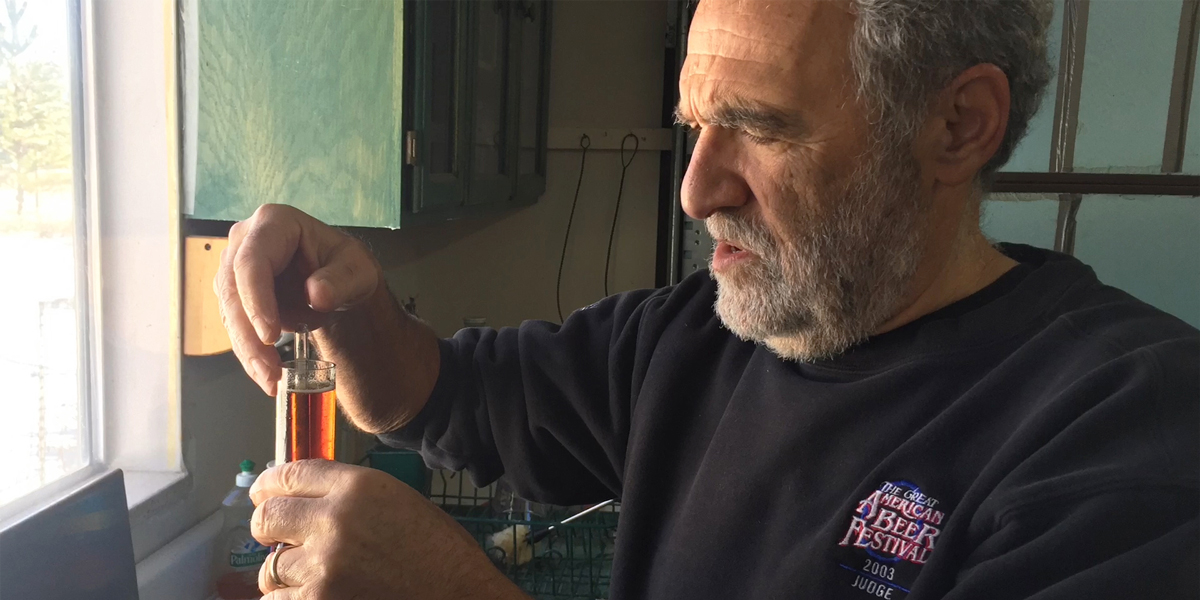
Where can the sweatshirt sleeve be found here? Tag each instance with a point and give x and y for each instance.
(1119, 544)
(1103, 512)
(547, 406)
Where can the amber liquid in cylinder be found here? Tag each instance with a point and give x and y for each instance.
(312, 420)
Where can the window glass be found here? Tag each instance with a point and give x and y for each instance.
(42, 435)
(1148, 246)
(1191, 148)
(1127, 69)
(1021, 221)
(1033, 153)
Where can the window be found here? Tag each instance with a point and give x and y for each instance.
(1108, 171)
(43, 434)
(91, 371)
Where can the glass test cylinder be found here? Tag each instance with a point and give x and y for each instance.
(306, 411)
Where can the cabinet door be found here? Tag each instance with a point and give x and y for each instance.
(440, 111)
(299, 102)
(532, 29)
(493, 114)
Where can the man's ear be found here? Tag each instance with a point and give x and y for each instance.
(966, 124)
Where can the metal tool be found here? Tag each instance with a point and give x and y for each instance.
(536, 536)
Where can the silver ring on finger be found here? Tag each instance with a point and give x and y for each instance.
(273, 565)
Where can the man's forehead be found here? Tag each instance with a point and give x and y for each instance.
(783, 22)
(765, 51)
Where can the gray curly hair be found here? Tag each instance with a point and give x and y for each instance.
(905, 51)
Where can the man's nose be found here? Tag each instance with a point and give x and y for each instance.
(712, 182)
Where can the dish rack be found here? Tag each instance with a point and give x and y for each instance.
(573, 562)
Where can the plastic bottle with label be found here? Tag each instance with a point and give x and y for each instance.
(238, 555)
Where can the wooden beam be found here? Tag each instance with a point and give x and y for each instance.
(1096, 183)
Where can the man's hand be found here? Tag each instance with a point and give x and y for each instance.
(362, 534)
(283, 267)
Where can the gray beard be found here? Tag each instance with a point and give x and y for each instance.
(840, 272)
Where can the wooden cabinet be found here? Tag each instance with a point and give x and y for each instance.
(532, 88)
(478, 136)
(375, 113)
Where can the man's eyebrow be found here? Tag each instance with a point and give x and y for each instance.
(680, 117)
(751, 117)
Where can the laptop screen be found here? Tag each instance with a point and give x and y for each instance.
(78, 548)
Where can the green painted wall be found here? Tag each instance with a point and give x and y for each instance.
(299, 103)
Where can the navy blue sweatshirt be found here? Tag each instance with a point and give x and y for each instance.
(1038, 439)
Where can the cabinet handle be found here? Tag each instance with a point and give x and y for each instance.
(410, 148)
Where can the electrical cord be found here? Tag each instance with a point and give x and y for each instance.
(584, 142)
(620, 189)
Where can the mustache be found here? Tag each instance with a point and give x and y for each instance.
(745, 233)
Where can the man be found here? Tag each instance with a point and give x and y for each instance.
(869, 401)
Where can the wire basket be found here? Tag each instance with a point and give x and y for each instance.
(573, 561)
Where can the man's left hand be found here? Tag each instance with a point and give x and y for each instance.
(360, 533)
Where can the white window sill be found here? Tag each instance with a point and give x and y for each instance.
(159, 508)
(180, 570)
(143, 487)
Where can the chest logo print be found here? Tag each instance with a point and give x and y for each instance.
(896, 522)
(892, 532)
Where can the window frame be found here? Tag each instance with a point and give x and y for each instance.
(126, 144)
(132, 93)
(83, 253)
(1060, 179)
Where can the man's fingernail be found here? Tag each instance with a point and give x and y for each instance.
(322, 282)
(260, 327)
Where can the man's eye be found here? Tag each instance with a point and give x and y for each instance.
(758, 139)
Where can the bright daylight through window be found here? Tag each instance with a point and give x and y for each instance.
(43, 432)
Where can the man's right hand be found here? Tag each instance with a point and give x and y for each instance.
(283, 268)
